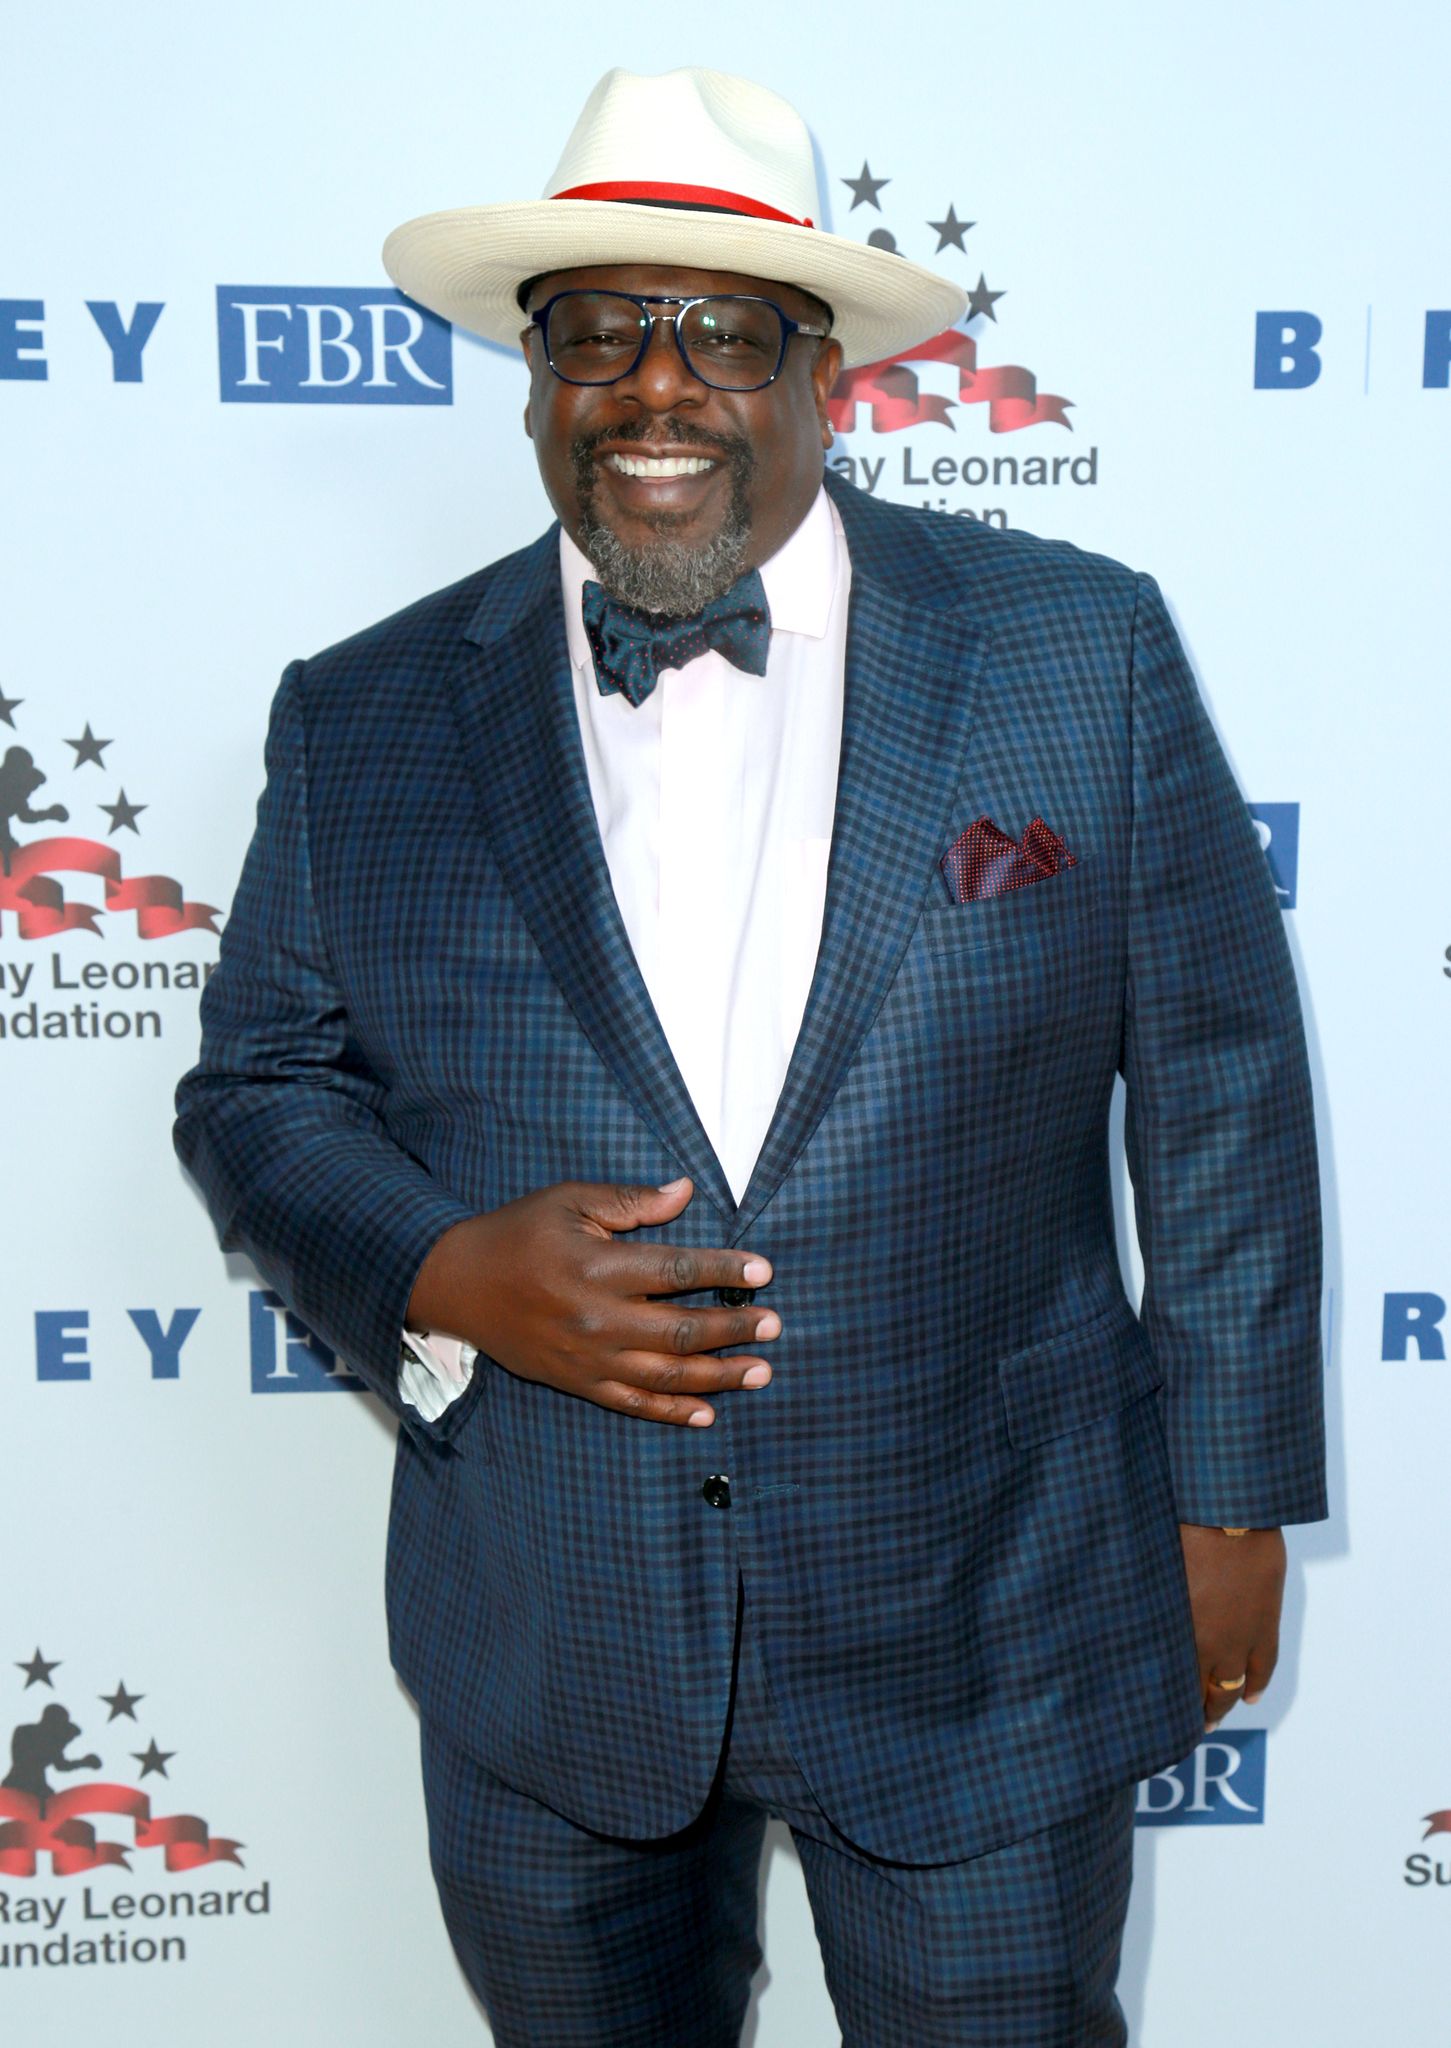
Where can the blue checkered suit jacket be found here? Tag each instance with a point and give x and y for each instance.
(955, 1507)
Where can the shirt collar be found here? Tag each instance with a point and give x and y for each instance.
(799, 579)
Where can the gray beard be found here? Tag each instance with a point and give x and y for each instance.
(666, 576)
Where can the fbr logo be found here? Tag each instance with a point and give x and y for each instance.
(1278, 826)
(318, 345)
(300, 1363)
(1221, 1785)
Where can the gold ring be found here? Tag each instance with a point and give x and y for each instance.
(1229, 1684)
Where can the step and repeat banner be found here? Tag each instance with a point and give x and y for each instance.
(1209, 334)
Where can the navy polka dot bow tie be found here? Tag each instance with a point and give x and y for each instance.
(631, 648)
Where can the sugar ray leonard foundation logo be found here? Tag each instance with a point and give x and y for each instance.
(41, 900)
(1431, 1868)
(106, 1821)
(889, 397)
(1221, 1784)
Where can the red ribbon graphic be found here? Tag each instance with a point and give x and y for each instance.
(1440, 1823)
(40, 904)
(71, 1842)
(1010, 394)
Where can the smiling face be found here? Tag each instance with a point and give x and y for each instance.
(674, 489)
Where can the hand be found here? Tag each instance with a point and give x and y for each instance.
(1236, 1585)
(543, 1286)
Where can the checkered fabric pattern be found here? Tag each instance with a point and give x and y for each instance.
(584, 1942)
(960, 1491)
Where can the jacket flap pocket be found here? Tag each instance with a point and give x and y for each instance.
(1065, 1382)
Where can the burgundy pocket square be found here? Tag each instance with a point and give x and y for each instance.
(986, 862)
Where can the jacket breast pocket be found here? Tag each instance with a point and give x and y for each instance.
(1048, 908)
(1064, 1383)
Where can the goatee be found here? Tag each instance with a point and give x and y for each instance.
(667, 576)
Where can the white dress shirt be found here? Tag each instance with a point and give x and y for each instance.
(714, 800)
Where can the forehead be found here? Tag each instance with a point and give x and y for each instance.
(667, 281)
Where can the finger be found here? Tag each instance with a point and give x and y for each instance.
(1262, 1661)
(662, 1374)
(1223, 1691)
(688, 1331)
(647, 1406)
(680, 1268)
(626, 1205)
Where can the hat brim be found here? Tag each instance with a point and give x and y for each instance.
(467, 265)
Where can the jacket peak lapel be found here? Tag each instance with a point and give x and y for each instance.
(911, 677)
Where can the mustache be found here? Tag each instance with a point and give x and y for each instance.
(681, 433)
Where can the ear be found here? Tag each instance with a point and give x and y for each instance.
(526, 344)
(825, 370)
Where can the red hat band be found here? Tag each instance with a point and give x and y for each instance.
(630, 190)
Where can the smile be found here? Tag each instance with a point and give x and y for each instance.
(660, 465)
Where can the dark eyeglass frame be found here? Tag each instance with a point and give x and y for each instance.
(644, 300)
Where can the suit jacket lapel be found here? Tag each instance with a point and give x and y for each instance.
(513, 699)
(911, 676)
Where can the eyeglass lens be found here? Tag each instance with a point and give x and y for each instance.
(734, 344)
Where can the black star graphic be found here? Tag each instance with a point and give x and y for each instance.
(89, 748)
(120, 1701)
(864, 189)
(153, 1759)
(981, 300)
(37, 1671)
(123, 813)
(950, 232)
(7, 706)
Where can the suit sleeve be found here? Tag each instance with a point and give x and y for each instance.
(1219, 1123)
(281, 1122)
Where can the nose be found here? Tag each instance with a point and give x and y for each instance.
(661, 380)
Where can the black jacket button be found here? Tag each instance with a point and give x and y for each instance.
(735, 1297)
(717, 1490)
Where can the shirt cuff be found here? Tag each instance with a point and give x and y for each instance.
(433, 1370)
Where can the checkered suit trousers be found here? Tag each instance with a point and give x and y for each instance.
(575, 1940)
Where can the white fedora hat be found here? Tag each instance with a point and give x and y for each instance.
(694, 168)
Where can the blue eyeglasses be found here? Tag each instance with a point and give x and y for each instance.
(728, 340)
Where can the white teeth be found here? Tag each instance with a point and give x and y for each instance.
(660, 465)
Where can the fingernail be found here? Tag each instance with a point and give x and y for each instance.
(668, 1187)
(700, 1417)
(755, 1272)
(1252, 1699)
(755, 1376)
(769, 1325)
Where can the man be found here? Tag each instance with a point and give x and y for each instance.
(713, 1078)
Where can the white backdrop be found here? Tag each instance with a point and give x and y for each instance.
(193, 1570)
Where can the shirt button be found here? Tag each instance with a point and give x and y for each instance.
(735, 1297)
(716, 1491)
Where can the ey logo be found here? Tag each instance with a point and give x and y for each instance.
(317, 345)
(1221, 1785)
